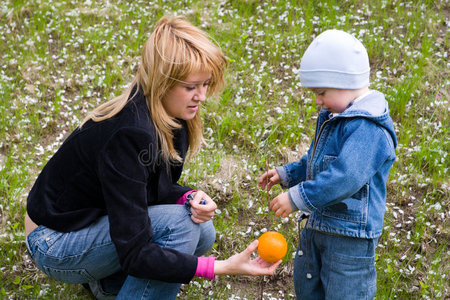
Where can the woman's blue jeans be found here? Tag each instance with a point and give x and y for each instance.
(330, 266)
(89, 255)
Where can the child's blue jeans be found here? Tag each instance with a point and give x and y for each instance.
(89, 255)
(339, 267)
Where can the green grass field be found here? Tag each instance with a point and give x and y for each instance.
(59, 59)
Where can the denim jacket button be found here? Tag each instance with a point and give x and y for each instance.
(47, 239)
(300, 253)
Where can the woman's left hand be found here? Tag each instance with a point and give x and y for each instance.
(243, 264)
(202, 207)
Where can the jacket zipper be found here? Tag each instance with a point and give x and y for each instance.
(314, 147)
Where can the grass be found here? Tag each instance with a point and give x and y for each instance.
(59, 59)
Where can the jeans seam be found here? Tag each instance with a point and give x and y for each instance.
(144, 294)
(28, 247)
(80, 271)
(72, 256)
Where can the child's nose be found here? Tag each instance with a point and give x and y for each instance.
(318, 100)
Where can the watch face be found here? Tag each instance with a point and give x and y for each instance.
(191, 197)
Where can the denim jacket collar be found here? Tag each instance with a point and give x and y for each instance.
(373, 107)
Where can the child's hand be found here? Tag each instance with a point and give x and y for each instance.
(281, 205)
(202, 207)
(269, 179)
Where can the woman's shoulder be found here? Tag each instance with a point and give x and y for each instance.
(136, 113)
(130, 126)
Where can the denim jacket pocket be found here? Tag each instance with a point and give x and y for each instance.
(321, 165)
(353, 209)
(327, 159)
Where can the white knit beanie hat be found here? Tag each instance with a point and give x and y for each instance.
(335, 59)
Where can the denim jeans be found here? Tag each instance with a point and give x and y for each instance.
(89, 255)
(334, 267)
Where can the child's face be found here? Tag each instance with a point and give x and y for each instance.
(334, 100)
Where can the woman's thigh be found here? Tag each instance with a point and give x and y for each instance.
(75, 257)
(89, 254)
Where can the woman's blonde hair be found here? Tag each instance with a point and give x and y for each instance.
(174, 50)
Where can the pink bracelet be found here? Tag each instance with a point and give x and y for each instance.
(205, 267)
(183, 198)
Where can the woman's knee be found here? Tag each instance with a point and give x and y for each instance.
(207, 238)
(173, 228)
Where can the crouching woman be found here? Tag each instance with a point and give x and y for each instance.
(107, 211)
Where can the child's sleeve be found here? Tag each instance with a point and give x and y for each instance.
(293, 173)
(345, 173)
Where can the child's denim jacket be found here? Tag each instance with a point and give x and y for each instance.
(341, 182)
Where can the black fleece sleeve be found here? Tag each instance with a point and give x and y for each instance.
(124, 178)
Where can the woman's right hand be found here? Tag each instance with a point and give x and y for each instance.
(269, 179)
(242, 264)
(202, 211)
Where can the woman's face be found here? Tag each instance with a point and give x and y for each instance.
(184, 99)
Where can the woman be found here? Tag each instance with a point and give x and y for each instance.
(107, 209)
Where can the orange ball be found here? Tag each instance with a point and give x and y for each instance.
(272, 246)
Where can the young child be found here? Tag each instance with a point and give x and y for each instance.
(340, 185)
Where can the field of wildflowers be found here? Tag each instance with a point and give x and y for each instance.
(61, 58)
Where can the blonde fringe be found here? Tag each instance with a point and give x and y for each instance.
(159, 72)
